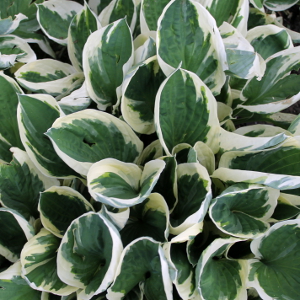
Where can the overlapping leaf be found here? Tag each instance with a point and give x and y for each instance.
(95, 135)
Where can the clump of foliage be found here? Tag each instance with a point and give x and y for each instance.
(144, 153)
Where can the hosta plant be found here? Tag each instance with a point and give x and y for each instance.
(145, 152)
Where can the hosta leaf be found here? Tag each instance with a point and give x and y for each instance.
(277, 89)
(78, 100)
(136, 105)
(218, 277)
(150, 267)
(276, 167)
(262, 130)
(152, 151)
(15, 232)
(49, 76)
(205, 156)
(167, 182)
(149, 218)
(98, 5)
(185, 112)
(194, 195)
(277, 261)
(279, 5)
(82, 25)
(150, 12)
(8, 111)
(120, 184)
(231, 141)
(13, 286)
(235, 12)
(38, 259)
(196, 45)
(21, 184)
(144, 49)
(117, 216)
(28, 8)
(9, 25)
(88, 254)
(5, 154)
(243, 61)
(11, 45)
(59, 206)
(118, 9)
(36, 114)
(185, 273)
(242, 210)
(107, 56)
(91, 132)
(286, 207)
(269, 39)
(55, 16)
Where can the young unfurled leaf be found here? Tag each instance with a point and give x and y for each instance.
(120, 184)
(150, 268)
(59, 206)
(89, 253)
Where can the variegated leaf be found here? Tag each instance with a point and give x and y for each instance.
(87, 259)
(49, 76)
(17, 48)
(14, 286)
(194, 196)
(279, 5)
(243, 210)
(136, 105)
(9, 130)
(8, 24)
(185, 112)
(82, 25)
(235, 12)
(150, 268)
(195, 45)
(218, 277)
(118, 9)
(38, 259)
(21, 183)
(276, 262)
(107, 56)
(78, 100)
(149, 218)
(269, 39)
(243, 61)
(90, 132)
(55, 16)
(150, 12)
(36, 114)
(59, 206)
(276, 167)
(120, 184)
(15, 232)
(277, 89)
(230, 141)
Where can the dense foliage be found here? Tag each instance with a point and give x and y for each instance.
(144, 153)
